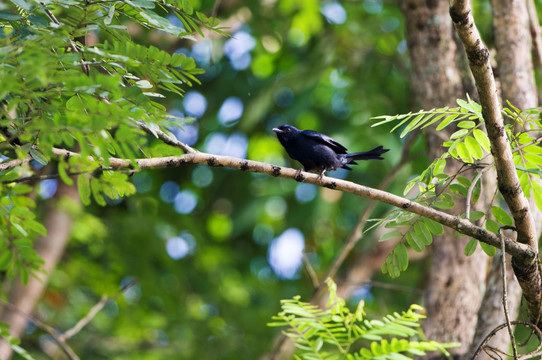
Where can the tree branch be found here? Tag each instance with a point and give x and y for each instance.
(13, 163)
(507, 176)
(104, 300)
(50, 330)
(525, 269)
(159, 134)
(521, 251)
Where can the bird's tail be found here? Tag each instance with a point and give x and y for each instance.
(365, 155)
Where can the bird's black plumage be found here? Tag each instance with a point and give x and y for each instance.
(319, 152)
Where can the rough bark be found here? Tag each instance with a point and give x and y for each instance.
(513, 43)
(453, 292)
(516, 75)
(50, 248)
(491, 313)
(527, 272)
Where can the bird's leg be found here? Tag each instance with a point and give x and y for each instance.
(297, 174)
(321, 176)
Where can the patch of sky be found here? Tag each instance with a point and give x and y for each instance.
(333, 12)
(285, 254)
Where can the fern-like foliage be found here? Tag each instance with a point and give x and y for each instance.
(438, 188)
(337, 333)
(57, 91)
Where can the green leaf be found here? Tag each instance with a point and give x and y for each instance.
(458, 190)
(433, 226)
(22, 201)
(466, 124)
(414, 242)
(9, 16)
(537, 193)
(24, 275)
(459, 134)
(471, 246)
(439, 166)
(400, 254)
(492, 226)
(36, 227)
(63, 174)
(96, 188)
(110, 15)
(38, 156)
(476, 215)
(502, 216)
(482, 139)
(23, 4)
(535, 149)
(83, 187)
(447, 121)
(444, 202)
(463, 152)
(390, 235)
(5, 259)
(22, 189)
(533, 158)
(423, 233)
(415, 123)
(488, 249)
(474, 148)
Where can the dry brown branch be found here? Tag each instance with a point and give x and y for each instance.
(522, 251)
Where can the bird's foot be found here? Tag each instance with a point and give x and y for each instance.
(298, 176)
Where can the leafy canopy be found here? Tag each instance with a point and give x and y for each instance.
(440, 189)
(61, 88)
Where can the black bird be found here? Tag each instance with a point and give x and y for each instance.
(319, 152)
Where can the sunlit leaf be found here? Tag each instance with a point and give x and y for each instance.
(502, 216)
(474, 148)
(482, 139)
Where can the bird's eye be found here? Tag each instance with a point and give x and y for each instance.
(286, 129)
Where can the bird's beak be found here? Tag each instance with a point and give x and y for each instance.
(277, 130)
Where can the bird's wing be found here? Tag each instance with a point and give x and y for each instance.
(324, 139)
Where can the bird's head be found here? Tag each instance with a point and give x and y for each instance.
(285, 132)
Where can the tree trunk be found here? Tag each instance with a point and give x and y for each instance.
(454, 289)
(50, 248)
(516, 75)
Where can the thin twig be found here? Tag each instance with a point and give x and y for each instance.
(388, 286)
(310, 271)
(216, 5)
(50, 330)
(505, 292)
(73, 46)
(165, 137)
(471, 189)
(94, 311)
(534, 330)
